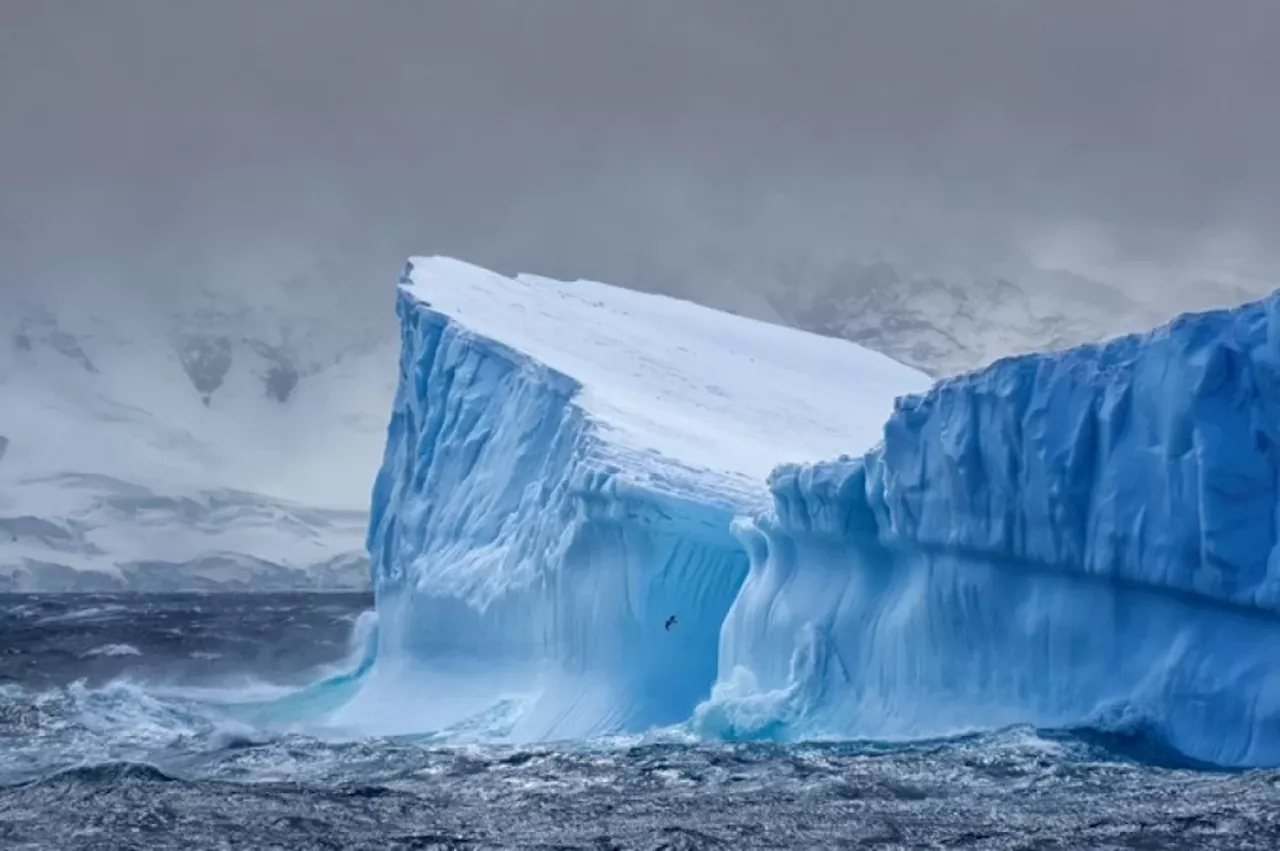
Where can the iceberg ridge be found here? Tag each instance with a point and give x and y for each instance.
(1084, 538)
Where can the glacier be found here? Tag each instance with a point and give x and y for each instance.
(562, 468)
(1079, 539)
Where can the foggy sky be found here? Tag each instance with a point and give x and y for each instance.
(670, 144)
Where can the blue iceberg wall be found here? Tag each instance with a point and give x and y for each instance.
(1077, 538)
(522, 579)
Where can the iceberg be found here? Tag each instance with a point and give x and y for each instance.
(563, 465)
(1077, 539)
(1081, 539)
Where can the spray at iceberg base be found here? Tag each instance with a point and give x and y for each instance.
(1085, 539)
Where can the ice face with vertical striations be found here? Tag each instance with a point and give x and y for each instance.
(1085, 538)
(563, 464)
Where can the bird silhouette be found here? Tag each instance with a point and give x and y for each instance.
(671, 621)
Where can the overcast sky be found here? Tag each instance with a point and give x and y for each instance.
(660, 143)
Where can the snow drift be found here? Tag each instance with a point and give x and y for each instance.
(563, 464)
(1084, 538)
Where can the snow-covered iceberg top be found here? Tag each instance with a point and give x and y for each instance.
(673, 388)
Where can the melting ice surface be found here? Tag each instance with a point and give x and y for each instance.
(563, 465)
(1085, 538)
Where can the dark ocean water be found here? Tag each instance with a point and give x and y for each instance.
(119, 730)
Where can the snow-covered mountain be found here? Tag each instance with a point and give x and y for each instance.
(218, 442)
(948, 325)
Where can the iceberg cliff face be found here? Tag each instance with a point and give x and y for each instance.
(562, 467)
(1083, 538)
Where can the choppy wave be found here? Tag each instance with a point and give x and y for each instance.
(87, 613)
(114, 650)
(173, 772)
